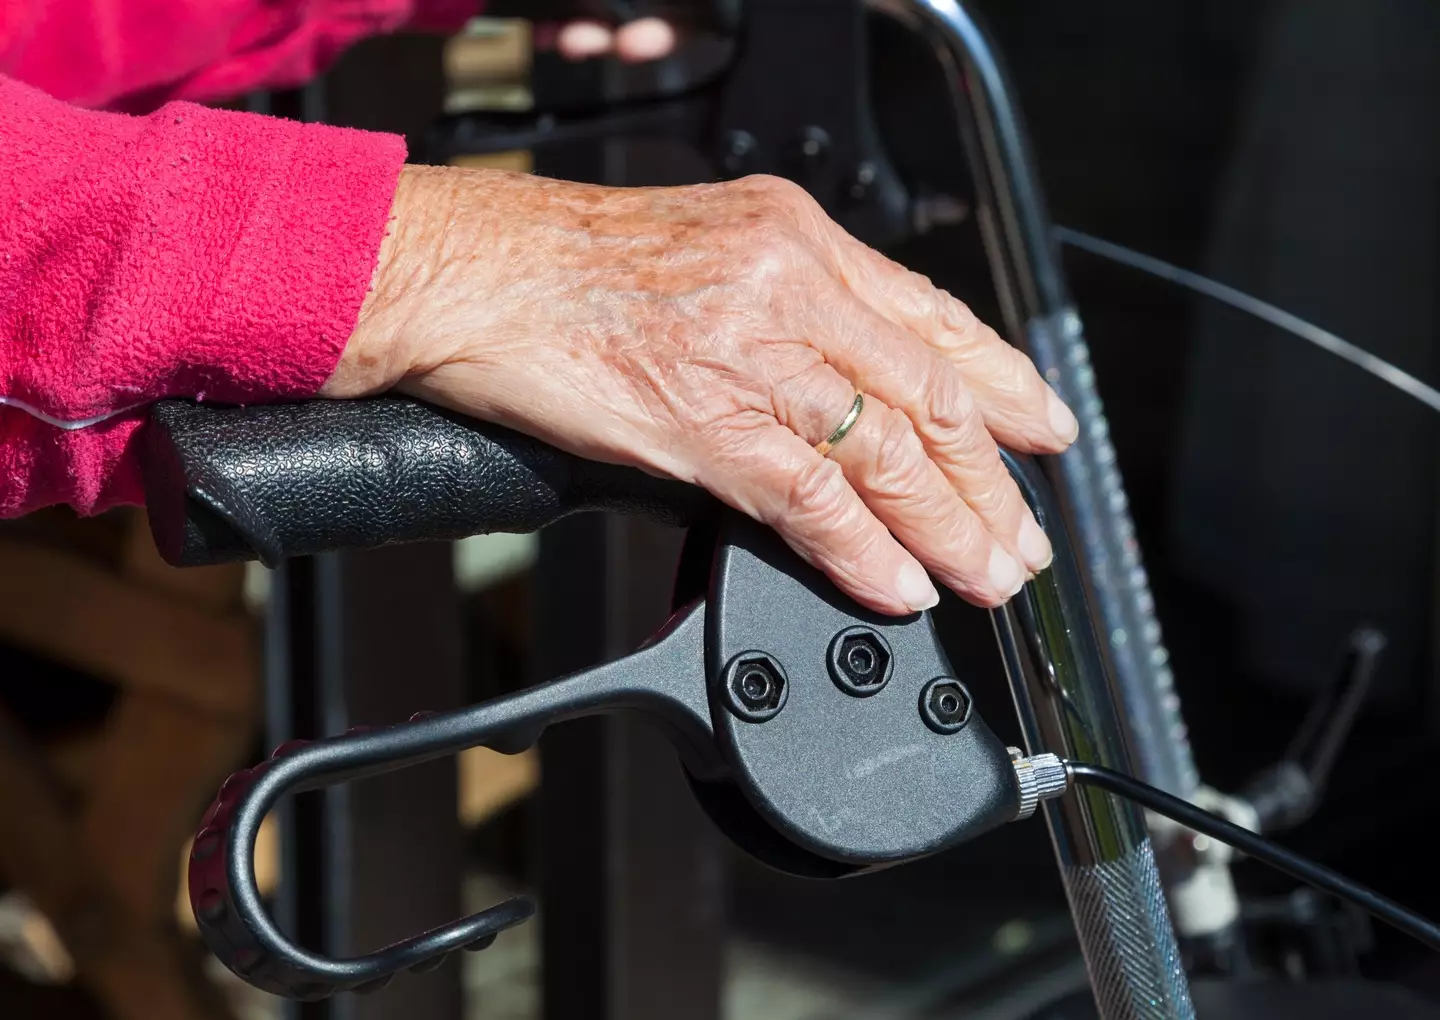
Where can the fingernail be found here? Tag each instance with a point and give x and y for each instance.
(584, 39)
(915, 589)
(1062, 419)
(1006, 576)
(1034, 546)
(645, 39)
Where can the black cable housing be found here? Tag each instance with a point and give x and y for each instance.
(1259, 847)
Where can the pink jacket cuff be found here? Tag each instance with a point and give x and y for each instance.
(193, 252)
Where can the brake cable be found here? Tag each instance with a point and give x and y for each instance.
(1238, 299)
(1156, 800)
(1253, 844)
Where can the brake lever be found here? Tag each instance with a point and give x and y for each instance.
(657, 680)
(821, 738)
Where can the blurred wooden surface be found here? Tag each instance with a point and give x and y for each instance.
(92, 823)
(94, 820)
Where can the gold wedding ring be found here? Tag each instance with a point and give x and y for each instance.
(823, 449)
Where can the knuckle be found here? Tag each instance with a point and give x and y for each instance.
(984, 483)
(990, 497)
(1016, 376)
(781, 205)
(951, 409)
(968, 543)
(899, 462)
(768, 261)
(921, 282)
(727, 442)
(817, 386)
(955, 314)
(964, 338)
(769, 255)
(982, 474)
(778, 190)
(817, 494)
(805, 393)
(794, 366)
(923, 301)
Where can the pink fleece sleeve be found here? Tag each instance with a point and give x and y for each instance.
(135, 54)
(193, 252)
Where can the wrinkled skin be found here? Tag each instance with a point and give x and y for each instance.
(715, 334)
(640, 40)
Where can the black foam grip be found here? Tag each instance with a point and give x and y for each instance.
(273, 482)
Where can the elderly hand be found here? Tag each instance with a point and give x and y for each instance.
(718, 334)
(636, 42)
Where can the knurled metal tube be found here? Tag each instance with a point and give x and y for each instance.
(1058, 679)
(1118, 907)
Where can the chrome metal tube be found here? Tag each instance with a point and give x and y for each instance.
(1041, 320)
(1071, 688)
(1058, 678)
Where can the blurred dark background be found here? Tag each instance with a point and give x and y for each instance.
(1282, 497)
(1286, 147)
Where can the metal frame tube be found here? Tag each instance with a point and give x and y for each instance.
(1041, 320)
(1108, 701)
(1065, 703)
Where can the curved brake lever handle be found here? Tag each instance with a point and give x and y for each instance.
(231, 916)
(664, 680)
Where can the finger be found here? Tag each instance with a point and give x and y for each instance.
(887, 464)
(887, 361)
(1019, 407)
(767, 471)
(645, 39)
(584, 40)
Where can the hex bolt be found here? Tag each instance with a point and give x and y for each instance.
(740, 148)
(860, 661)
(945, 705)
(813, 151)
(755, 687)
(863, 181)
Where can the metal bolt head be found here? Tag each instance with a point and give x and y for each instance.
(739, 152)
(863, 181)
(945, 705)
(812, 153)
(860, 661)
(814, 142)
(755, 686)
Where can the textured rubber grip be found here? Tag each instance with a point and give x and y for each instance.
(274, 482)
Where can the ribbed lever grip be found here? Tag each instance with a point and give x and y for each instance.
(278, 481)
(236, 928)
